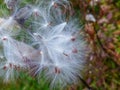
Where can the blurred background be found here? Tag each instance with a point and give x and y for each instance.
(101, 21)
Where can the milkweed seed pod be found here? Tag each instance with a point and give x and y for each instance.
(62, 48)
(23, 13)
(57, 49)
(18, 56)
(11, 4)
(62, 53)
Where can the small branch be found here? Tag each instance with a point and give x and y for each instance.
(85, 83)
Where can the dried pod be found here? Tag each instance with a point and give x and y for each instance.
(22, 14)
(111, 46)
(90, 30)
(11, 3)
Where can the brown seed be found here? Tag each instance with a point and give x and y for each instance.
(15, 67)
(18, 67)
(36, 14)
(5, 67)
(4, 38)
(57, 70)
(75, 50)
(73, 39)
(10, 64)
(55, 5)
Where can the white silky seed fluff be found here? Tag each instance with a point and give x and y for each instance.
(61, 50)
